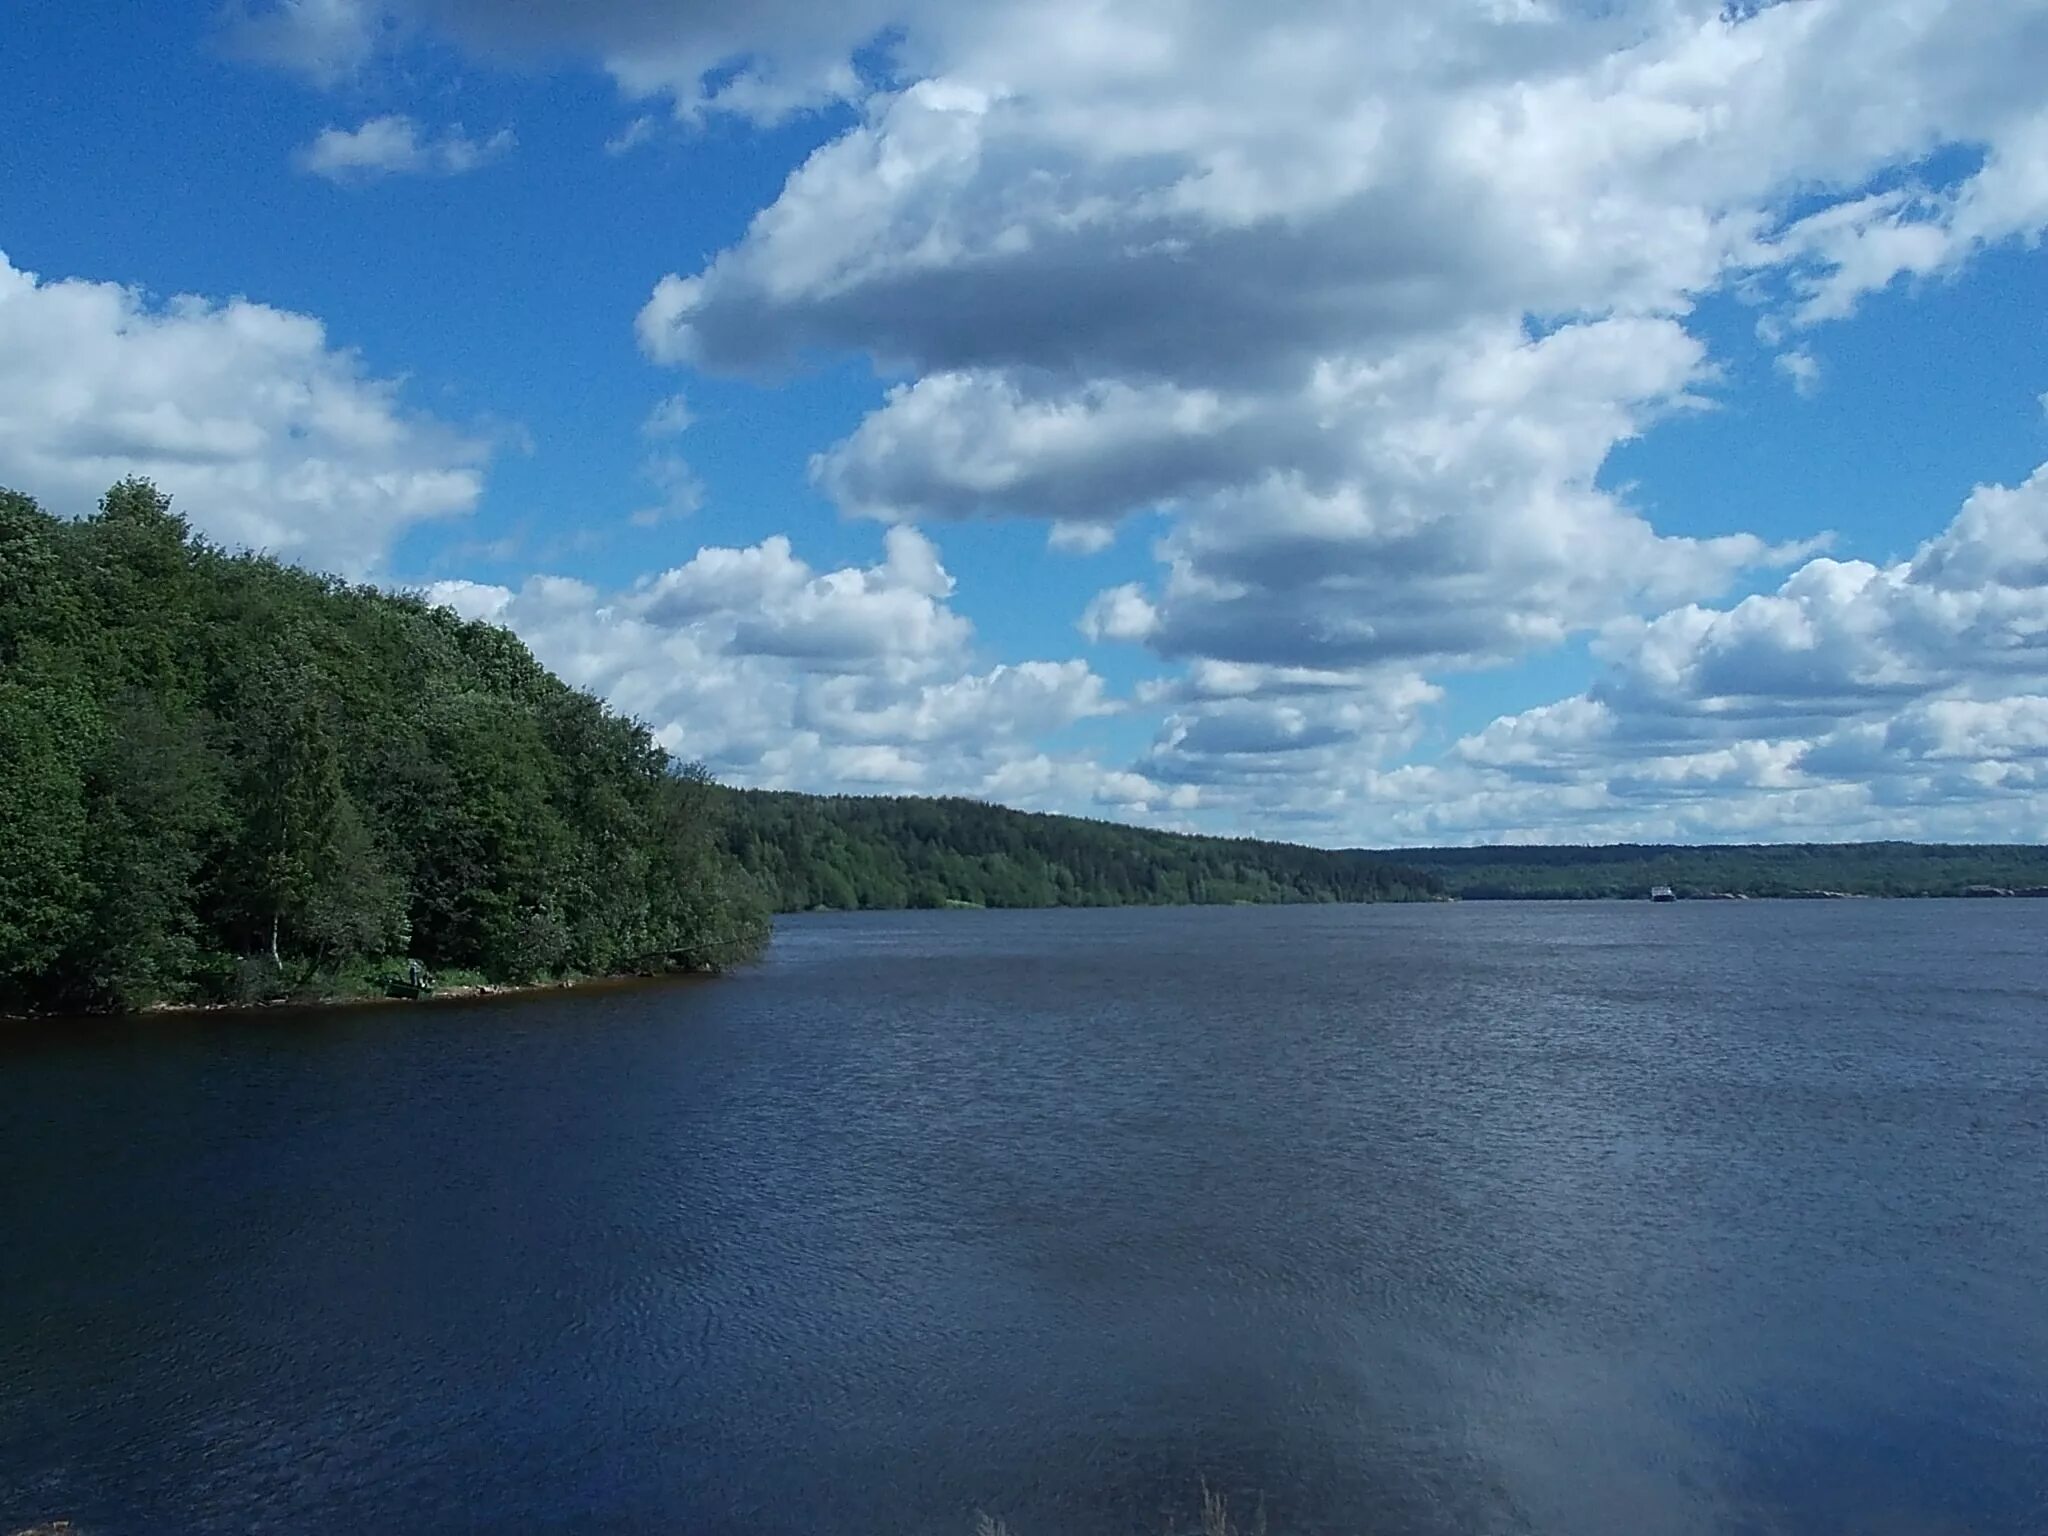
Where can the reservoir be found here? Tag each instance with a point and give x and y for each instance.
(1568, 1219)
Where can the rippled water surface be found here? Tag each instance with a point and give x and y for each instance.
(1724, 1217)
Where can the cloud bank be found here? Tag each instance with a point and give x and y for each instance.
(1360, 296)
(780, 675)
(269, 437)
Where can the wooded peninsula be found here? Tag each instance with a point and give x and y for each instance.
(224, 779)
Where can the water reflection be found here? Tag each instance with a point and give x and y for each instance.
(1472, 1219)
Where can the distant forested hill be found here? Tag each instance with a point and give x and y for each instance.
(1792, 869)
(885, 852)
(223, 778)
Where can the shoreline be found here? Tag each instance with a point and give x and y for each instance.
(469, 992)
(489, 991)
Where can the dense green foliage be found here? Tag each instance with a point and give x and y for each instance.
(1791, 869)
(221, 777)
(885, 852)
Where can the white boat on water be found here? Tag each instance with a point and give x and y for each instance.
(1662, 893)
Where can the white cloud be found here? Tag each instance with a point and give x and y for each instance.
(1287, 734)
(763, 60)
(1855, 700)
(1275, 273)
(1802, 368)
(480, 600)
(1358, 296)
(955, 444)
(1121, 613)
(1862, 247)
(1009, 703)
(890, 620)
(1069, 192)
(269, 437)
(392, 146)
(1067, 537)
(1902, 700)
(324, 39)
(781, 675)
(679, 492)
(630, 137)
(670, 418)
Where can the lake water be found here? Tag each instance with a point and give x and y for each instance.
(1718, 1217)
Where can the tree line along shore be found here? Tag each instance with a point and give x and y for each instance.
(226, 780)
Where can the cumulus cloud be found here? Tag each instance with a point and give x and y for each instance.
(1909, 699)
(1214, 190)
(1864, 246)
(957, 444)
(1802, 368)
(782, 675)
(1359, 297)
(890, 619)
(393, 146)
(1465, 525)
(1073, 538)
(1278, 733)
(1365, 303)
(1852, 700)
(324, 39)
(269, 437)
(1363, 296)
(678, 491)
(671, 417)
(764, 60)
(630, 137)
(1121, 613)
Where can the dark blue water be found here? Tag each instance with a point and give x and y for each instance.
(1561, 1219)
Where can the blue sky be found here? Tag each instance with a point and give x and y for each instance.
(1358, 420)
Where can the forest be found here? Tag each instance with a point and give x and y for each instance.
(1773, 869)
(849, 851)
(226, 780)
(223, 779)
